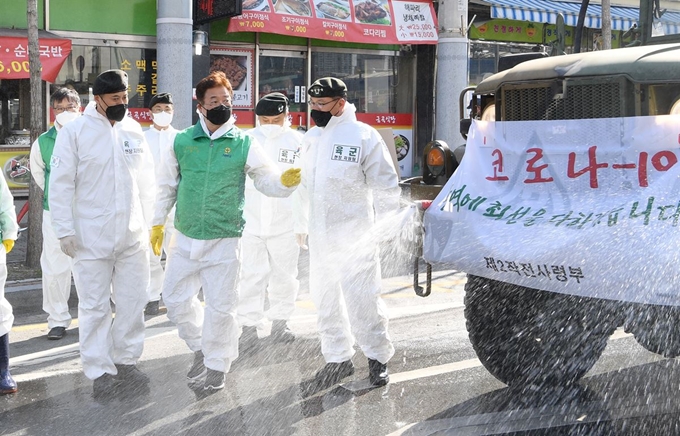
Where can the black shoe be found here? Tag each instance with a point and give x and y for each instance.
(197, 369)
(151, 308)
(131, 374)
(281, 332)
(214, 380)
(56, 333)
(377, 373)
(333, 372)
(326, 377)
(249, 342)
(105, 385)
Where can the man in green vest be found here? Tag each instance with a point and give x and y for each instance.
(56, 266)
(204, 177)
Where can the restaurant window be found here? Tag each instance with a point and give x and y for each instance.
(15, 111)
(376, 83)
(284, 72)
(85, 63)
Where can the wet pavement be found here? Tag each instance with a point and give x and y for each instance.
(438, 386)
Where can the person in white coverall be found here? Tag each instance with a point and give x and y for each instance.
(204, 177)
(160, 137)
(55, 265)
(101, 185)
(8, 234)
(350, 182)
(269, 248)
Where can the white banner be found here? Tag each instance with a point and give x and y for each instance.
(584, 207)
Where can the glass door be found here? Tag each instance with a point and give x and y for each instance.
(284, 72)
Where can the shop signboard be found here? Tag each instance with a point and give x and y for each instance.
(237, 64)
(14, 57)
(362, 21)
(519, 31)
(16, 166)
(402, 129)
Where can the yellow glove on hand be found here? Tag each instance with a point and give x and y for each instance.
(9, 244)
(291, 177)
(157, 238)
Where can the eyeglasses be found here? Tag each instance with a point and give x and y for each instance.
(166, 110)
(322, 105)
(59, 109)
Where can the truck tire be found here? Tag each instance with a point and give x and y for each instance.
(526, 336)
(657, 328)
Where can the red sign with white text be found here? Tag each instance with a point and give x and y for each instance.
(363, 21)
(14, 57)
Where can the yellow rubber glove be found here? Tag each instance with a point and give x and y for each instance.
(157, 238)
(291, 177)
(9, 244)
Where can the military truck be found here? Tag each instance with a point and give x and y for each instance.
(564, 208)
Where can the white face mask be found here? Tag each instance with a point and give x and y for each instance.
(270, 130)
(66, 117)
(162, 119)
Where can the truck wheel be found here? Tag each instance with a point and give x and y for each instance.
(657, 328)
(525, 336)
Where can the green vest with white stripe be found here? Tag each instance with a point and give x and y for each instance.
(211, 183)
(46, 144)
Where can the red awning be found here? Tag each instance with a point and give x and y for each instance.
(14, 54)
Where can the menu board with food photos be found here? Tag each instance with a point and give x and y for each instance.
(237, 65)
(364, 21)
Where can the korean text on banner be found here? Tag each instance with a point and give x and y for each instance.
(362, 21)
(14, 57)
(584, 207)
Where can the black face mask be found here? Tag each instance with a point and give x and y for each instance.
(117, 112)
(218, 115)
(320, 118)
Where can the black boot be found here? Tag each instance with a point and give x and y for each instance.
(330, 374)
(7, 383)
(197, 370)
(281, 332)
(377, 373)
(249, 342)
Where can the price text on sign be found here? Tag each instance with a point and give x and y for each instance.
(14, 62)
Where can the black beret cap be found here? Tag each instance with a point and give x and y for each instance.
(110, 81)
(328, 87)
(164, 97)
(272, 104)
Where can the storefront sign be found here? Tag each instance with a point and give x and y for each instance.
(14, 57)
(15, 166)
(508, 31)
(237, 65)
(363, 21)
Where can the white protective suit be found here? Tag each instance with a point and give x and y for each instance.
(160, 142)
(349, 181)
(9, 230)
(269, 248)
(56, 266)
(212, 264)
(101, 185)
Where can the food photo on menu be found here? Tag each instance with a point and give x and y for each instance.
(372, 12)
(293, 7)
(234, 67)
(333, 10)
(256, 5)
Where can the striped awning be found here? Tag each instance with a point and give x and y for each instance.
(545, 11)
